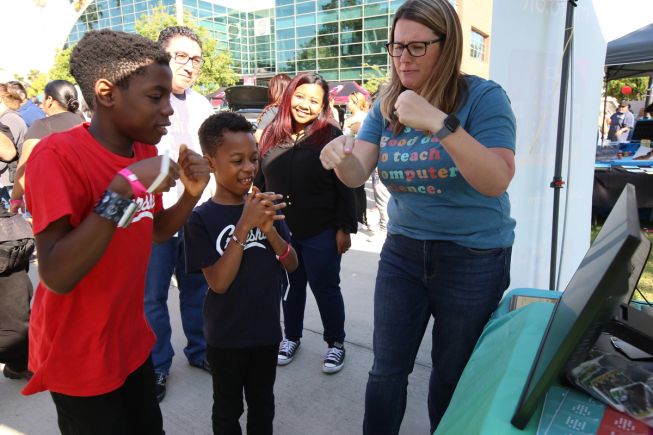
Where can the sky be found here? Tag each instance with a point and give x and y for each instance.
(620, 17)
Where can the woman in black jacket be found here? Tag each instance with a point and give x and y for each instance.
(320, 211)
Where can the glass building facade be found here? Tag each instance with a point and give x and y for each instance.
(340, 39)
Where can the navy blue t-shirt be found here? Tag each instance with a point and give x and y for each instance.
(247, 315)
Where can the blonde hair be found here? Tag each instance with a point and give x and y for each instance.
(10, 97)
(359, 100)
(445, 88)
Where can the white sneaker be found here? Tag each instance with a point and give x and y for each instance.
(334, 359)
(287, 350)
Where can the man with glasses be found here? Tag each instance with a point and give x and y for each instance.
(191, 109)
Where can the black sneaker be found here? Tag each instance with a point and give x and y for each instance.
(16, 374)
(287, 350)
(334, 358)
(204, 365)
(160, 380)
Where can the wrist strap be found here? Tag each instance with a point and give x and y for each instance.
(15, 201)
(137, 187)
(235, 239)
(285, 254)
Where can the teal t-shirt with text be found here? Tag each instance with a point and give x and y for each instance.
(430, 200)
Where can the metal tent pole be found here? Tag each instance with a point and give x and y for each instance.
(557, 182)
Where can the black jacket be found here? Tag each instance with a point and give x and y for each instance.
(316, 199)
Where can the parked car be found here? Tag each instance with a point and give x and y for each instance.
(247, 100)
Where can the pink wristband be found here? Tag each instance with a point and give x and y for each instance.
(285, 254)
(15, 201)
(135, 184)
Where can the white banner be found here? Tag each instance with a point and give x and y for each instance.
(526, 59)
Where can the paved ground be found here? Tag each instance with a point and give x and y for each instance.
(308, 402)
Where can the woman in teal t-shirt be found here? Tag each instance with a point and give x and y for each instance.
(444, 145)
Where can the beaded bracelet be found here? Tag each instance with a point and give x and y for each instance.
(233, 237)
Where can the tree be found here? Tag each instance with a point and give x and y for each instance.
(639, 87)
(374, 78)
(61, 68)
(216, 70)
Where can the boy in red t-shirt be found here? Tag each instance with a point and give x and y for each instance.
(89, 339)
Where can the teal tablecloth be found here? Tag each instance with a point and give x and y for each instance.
(488, 391)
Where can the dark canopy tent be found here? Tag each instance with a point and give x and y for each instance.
(630, 55)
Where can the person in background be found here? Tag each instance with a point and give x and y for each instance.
(15, 294)
(643, 115)
(357, 106)
(621, 123)
(448, 248)
(28, 110)
(235, 239)
(277, 85)
(167, 258)
(320, 212)
(94, 192)
(9, 103)
(61, 104)
(381, 194)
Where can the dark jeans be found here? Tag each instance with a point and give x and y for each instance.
(319, 266)
(15, 295)
(459, 287)
(131, 409)
(168, 258)
(253, 370)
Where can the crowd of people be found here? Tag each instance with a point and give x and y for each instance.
(246, 221)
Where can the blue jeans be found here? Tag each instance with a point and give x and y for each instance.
(459, 287)
(168, 258)
(319, 266)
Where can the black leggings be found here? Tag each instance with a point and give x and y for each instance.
(15, 295)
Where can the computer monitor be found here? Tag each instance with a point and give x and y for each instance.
(643, 130)
(598, 287)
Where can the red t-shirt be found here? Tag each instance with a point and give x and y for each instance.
(88, 341)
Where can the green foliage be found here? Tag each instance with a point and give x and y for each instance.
(61, 68)
(638, 84)
(34, 82)
(374, 76)
(216, 71)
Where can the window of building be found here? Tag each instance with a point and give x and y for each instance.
(477, 46)
(328, 16)
(329, 63)
(350, 13)
(305, 8)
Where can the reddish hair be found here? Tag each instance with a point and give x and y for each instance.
(280, 130)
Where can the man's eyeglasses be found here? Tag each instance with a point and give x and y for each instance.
(182, 59)
(415, 49)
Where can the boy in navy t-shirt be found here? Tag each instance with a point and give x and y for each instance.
(241, 245)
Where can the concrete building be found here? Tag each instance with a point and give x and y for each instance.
(340, 39)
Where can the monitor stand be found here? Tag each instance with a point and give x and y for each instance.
(633, 326)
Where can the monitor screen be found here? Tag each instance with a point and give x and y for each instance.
(643, 130)
(597, 288)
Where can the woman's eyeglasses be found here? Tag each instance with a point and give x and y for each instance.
(415, 48)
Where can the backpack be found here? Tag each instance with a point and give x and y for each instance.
(16, 242)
